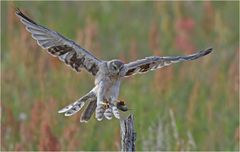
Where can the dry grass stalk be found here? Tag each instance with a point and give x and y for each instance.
(192, 103)
(47, 141)
(153, 35)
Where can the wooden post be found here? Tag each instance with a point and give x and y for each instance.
(128, 134)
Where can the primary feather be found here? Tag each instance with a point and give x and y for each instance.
(156, 62)
(58, 46)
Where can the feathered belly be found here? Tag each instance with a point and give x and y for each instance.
(112, 91)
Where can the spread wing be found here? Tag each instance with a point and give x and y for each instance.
(58, 46)
(156, 62)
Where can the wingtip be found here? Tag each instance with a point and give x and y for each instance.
(208, 50)
(18, 11)
(60, 111)
(22, 16)
(63, 110)
(68, 114)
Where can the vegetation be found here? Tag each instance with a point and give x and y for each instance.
(189, 106)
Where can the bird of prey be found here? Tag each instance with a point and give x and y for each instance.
(103, 98)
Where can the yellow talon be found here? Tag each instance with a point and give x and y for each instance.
(106, 105)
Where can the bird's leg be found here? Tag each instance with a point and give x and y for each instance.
(100, 102)
(100, 94)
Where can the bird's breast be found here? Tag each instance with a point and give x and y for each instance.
(112, 90)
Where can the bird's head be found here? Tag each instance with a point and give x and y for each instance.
(115, 66)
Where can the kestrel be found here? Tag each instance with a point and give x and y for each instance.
(103, 98)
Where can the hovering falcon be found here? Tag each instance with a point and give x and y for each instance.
(103, 98)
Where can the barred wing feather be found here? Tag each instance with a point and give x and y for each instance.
(58, 46)
(156, 62)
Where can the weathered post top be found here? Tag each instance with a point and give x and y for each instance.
(128, 134)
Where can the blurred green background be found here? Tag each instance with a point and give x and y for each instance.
(187, 106)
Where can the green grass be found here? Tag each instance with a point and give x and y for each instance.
(202, 94)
